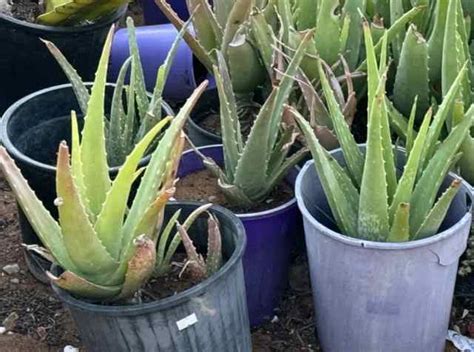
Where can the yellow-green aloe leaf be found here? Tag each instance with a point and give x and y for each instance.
(80, 286)
(328, 46)
(163, 237)
(433, 175)
(43, 223)
(237, 16)
(93, 151)
(208, 31)
(340, 192)
(76, 162)
(400, 230)
(436, 41)
(411, 127)
(157, 168)
(84, 247)
(435, 217)
(140, 266)
(264, 38)
(149, 221)
(110, 220)
(352, 154)
(407, 181)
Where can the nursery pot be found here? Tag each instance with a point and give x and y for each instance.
(153, 15)
(154, 42)
(26, 65)
(377, 296)
(31, 130)
(271, 235)
(210, 316)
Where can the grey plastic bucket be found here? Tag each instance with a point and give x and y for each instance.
(374, 296)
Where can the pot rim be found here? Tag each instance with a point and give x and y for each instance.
(355, 242)
(171, 301)
(106, 22)
(18, 155)
(264, 213)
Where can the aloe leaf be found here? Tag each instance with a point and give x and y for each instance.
(436, 41)
(340, 192)
(195, 262)
(435, 217)
(157, 167)
(43, 223)
(264, 38)
(214, 246)
(441, 116)
(412, 79)
(208, 30)
(140, 266)
(411, 127)
(328, 46)
(396, 11)
(352, 154)
(137, 71)
(78, 285)
(352, 49)
(115, 147)
(110, 220)
(80, 89)
(176, 240)
(408, 178)
(400, 230)
(238, 15)
(163, 238)
(93, 151)
(375, 79)
(397, 121)
(198, 50)
(76, 163)
(84, 247)
(433, 175)
(373, 221)
(230, 126)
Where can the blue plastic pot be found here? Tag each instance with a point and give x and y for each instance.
(271, 236)
(154, 42)
(153, 15)
(379, 296)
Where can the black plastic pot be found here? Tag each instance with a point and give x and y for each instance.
(215, 309)
(209, 102)
(31, 130)
(27, 66)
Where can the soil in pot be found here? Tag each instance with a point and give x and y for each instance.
(202, 186)
(24, 10)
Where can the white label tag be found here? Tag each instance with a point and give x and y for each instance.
(187, 322)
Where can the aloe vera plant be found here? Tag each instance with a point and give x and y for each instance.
(133, 112)
(225, 27)
(366, 197)
(74, 12)
(106, 248)
(253, 167)
(429, 59)
(198, 267)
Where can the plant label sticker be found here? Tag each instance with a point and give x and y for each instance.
(187, 322)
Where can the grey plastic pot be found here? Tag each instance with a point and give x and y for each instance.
(374, 296)
(211, 316)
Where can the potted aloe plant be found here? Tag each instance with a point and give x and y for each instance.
(31, 128)
(385, 226)
(80, 32)
(225, 26)
(254, 177)
(108, 242)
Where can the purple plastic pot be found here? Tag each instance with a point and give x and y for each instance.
(377, 296)
(271, 236)
(154, 42)
(153, 15)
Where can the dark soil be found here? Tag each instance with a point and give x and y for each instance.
(25, 10)
(202, 186)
